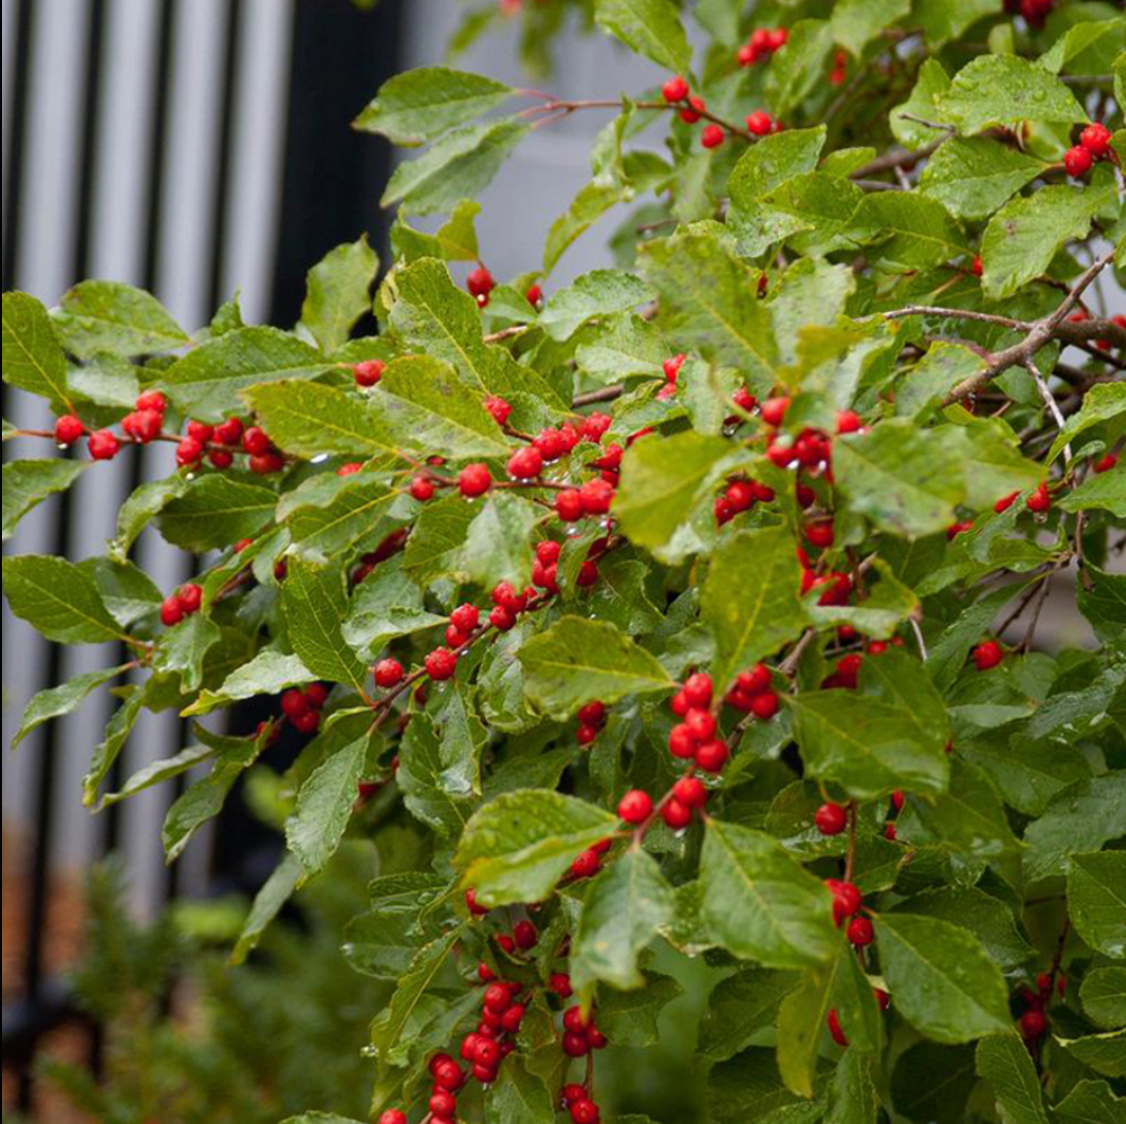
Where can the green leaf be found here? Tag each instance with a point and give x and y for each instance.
(1096, 900)
(206, 797)
(268, 673)
(910, 231)
(215, 511)
(798, 68)
(436, 547)
(889, 734)
(112, 316)
(497, 541)
(54, 702)
(324, 807)
(1004, 90)
(519, 845)
(973, 176)
(852, 1095)
(460, 164)
(649, 27)
(439, 773)
(32, 355)
(888, 604)
(631, 1018)
(1104, 1053)
(856, 23)
(421, 104)
(275, 892)
(750, 598)
(1023, 237)
(29, 483)
(355, 512)
(382, 941)
(624, 907)
(315, 602)
(181, 649)
(598, 293)
(589, 205)
(207, 382)
(759, 903)
(988, 918)
(748, 1090)
(141, 508)
(1081, 818)
(969, 816)
(1089, 1102)
(311, 419)
(157, 772)
(709, 303)
(1103, 994)
(386, 605)
(1105, 492)
(943, 20)
(337, 293)
(923, 103)
(519, 1095)
(58, 599)
(577, 660)
(662, 502)
(1088, 48)
(944, 982)
(743, 1005)
(1103, 402)
(424, 405)
(801, 1023)
(1005, 1063)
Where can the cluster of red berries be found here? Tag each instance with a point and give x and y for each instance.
(580, 1034)
(1035, 11)
(1033, 1020)
(988, 654)
(832, 818)
(592, 717)
(389, 546)
(144, 424)
(740, 495)
(847, 903)
(761, 45)
(1081, 314)
(839, 72)
(368, 372)
(696, 736)
(183, 603)
(220, 442)
(303, 707)
(1039, 501)
(753, 693)
(586, 864)
(847, 671)
(1094, 144)
(898, 799)
(576, 1100)
(671, 368)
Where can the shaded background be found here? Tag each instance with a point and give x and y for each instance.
(198, 149)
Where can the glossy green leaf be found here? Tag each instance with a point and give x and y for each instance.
(58, 599)
(112, 316)
(28, 483)
(337, 293)
(324, 806)
(32, 355)
(650, 27)
(1096, 900)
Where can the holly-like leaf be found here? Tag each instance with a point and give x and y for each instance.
(58, 599)
(1081, 818)
(759, 903)
(988, 918)
(1006, 1065)
(439, 770)
(598, 293)
(1103, 995)
(856, 22)
(974, 176)
(421, 104)
(750, 599)
(32, 355)
(215, 511)
(1096, 900)
(55, 702)
(268, 673)
(337, 293)
(623, 909)
(650, 27)
(324, 806)
(519, 1095)
(944, 982)
(1089, 1101)
(577, 660)
(181, 649)
(28, 483)
(112, 316)
(517, 846)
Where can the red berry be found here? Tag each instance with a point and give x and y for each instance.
(441, 1103)
(596, 497)
(1040, 500)
(586, 734)
(142, 425)
(1033, 1024)
(1096, 140)
(255, 441)
(681, 742)
(265, 464)
(1106, 463)
(368, 372)
(103, 445)
(831, 819)
(636, 806)
(222, 459)
(228, 432)
(976, 267)
(847, 898)
(499, 408)
(316, 694)
(586, 864)
(691, 792)
(755, 680)
(691, 113)
(675, 89)
(778, 38)
(513, 1017)
(765, 706)
(593, 713)
(441, 664)
(698, 690)
(393, 1116)
(774, 411)
(171, 611)
(988, 654)
(534, 296)
(575, 1044)
(525, 463)
(834, 1023)
(388, 673)
(465, 618)
(1005, 502)
(712, 136)
(190, 597)
(1077, 161)
(676, 814)
(584, 1112)
(480, 282)
(448, 1074)
(819, 532)
(68, 429)
(891, 832)
(472, 905)
(712, 755)
(759, 123)
(307, 723)
(525, 935)
(422, 488)
(474, 480)
(151, 400)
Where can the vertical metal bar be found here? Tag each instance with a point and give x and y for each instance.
(17, 129)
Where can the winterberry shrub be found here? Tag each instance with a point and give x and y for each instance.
(687, 611)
